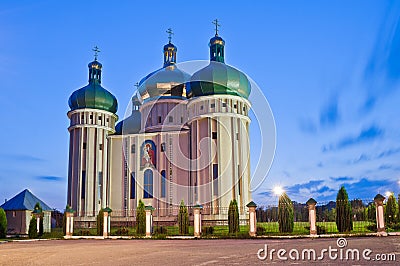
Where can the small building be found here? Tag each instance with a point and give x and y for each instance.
(19, 213)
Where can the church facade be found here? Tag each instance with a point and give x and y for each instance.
(186, 138)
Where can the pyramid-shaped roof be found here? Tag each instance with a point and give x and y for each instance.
(24, 201)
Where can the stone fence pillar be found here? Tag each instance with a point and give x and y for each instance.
(69, 226)
(252, 218)
(106, 222)
(380, 216)
(37, 213)
(312, 216)
(197, 220)
(149, 220)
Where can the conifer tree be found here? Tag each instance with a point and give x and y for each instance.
(32, 232)
(344, 222)
(3, 223)
(233, 217)
(183, 219)
(100, 222)
(391, 210)
(285, 214)
(140, 218)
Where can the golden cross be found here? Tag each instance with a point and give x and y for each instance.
(170, 33)
(96, 52)
(215, 22)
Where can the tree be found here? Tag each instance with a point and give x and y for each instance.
(343, 211)
(183, 219)
(3, 223)
(285, 214)
(32, 232)
(100, 222)
(64, 220)
(398, 205)
(370, 214)
(140, 218)
(391, 210)
(233, 217)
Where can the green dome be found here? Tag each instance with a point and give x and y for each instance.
(219, 78)
(93, 95)
(131, 124)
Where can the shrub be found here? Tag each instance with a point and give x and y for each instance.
(394, 226)
(285, 214)
(100, 221)
(183, 219)
(320, 229)
(208, 230)
(140, 219)
(123, 231)
(371, 227)
(32, 232)
(260, 230)
(3, 223)
(343, 211)
(160, 230)
(233, 217)
(83, 232)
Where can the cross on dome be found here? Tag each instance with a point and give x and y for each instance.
(96, 51)
(170, 33)
(215, 22)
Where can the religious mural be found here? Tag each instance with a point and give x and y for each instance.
(148, 154)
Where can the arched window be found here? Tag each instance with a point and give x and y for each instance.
(148, 184)
(163, 184)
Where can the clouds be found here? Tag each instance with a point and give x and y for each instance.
(364, 188)
(21, 158)
(329, 115)
(382, 71)
(49, 178)
(366, 135)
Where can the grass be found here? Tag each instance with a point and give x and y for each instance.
(55, 233)
(272, 228)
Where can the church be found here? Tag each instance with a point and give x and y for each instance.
(186, 138)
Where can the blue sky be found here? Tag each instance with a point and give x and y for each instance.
(330, 72)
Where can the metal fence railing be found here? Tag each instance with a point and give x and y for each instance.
(123, 222)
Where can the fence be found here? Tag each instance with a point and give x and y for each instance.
(214, 219)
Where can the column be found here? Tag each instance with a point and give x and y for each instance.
(106, 222)
(380, 216)
(312, 216)
(252, 218)
(197, 220)
(149, 220)
(69, 226)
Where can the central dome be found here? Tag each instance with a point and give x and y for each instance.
(168, 81)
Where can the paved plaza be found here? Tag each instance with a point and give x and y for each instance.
(195, 252)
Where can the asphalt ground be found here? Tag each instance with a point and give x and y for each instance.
(204, 252)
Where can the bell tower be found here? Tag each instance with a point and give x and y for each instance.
(92, 119)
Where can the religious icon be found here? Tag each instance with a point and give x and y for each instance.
(148, 154)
